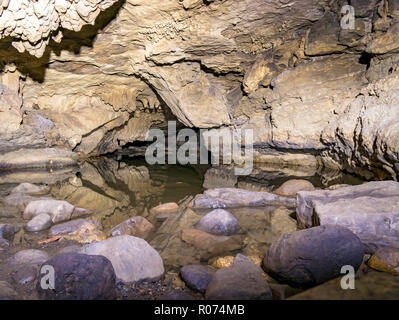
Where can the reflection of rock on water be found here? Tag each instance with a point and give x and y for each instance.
(113, 191)
(267, 177)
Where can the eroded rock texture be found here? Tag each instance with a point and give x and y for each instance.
(35, 22)
(314, 93)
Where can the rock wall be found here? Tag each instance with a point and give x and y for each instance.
(309, 88)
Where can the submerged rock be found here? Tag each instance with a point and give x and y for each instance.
(39, 223)
(224, 262)
(220, 177)
(137, 226)
(219, 222)
(170, 207)
(8, 211)
(58, 210)
(242, 281)
(21, 200)
(197, 277)
(29, 256)
(70, 249)
(7, 292)
(370, 210)
(309, 257)
(385, 259)
(133, 259)
(372, 286)
(80, 230)
(31, 189)
(37, 158)
(25, 274)
(281, 222)
(80, 277)
(7, 231)
(291, 187)
(233, 198)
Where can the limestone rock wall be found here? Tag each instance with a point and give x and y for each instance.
(309, 88)
(32, 23)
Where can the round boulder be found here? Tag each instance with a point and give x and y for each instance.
(78, 277)
(219, 222)
(309, 257)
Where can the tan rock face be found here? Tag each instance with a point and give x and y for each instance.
(286, 69)
(35, 22)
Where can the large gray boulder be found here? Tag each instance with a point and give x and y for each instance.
(234, 197)
(133, 259)
(242, 281)
(219, 222)
(370, 210)
(309, 257)
(79, 277)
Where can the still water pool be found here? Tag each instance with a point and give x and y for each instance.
(117, 190)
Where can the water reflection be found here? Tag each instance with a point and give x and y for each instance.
(117, 190)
